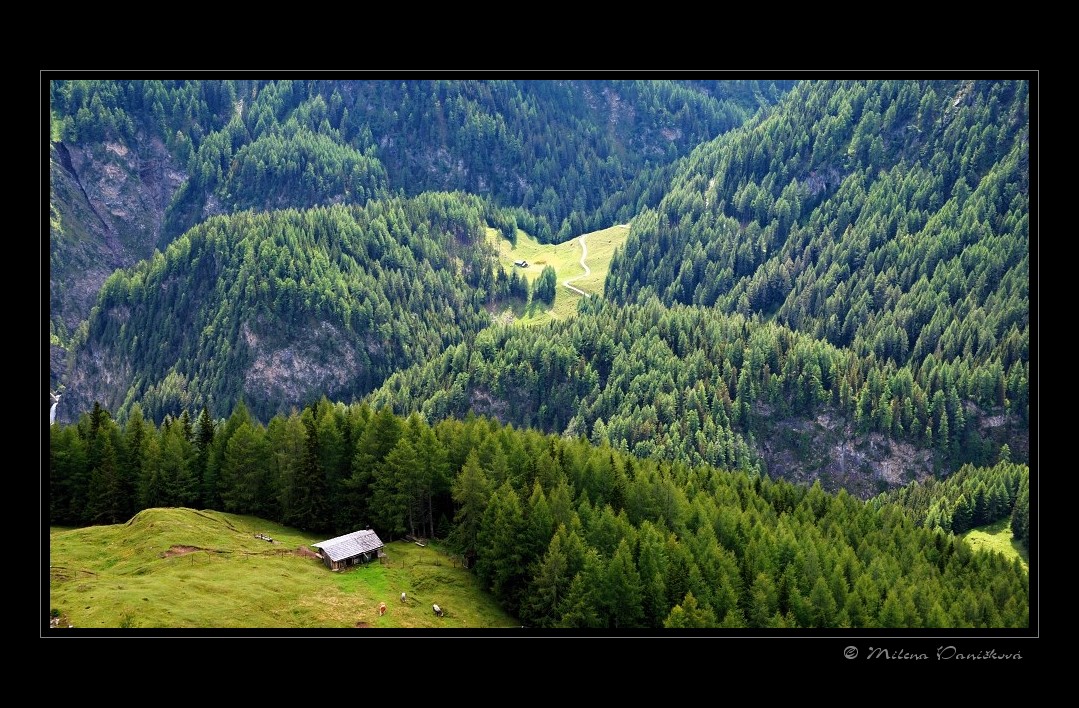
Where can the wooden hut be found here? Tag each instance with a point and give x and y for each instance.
(351, 549)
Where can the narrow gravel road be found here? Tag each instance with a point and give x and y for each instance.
(587, 270)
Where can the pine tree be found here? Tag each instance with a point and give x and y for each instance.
(210, 448)
(391, 507)
(1020, 522)
(103, 502)
(652, 565)
(67, 472)
(211, 495)
(823, 603)
(471, 492)
(539, 525)
(763, 600)
(549, 586)
(176, 462)
(623, 590)
(499, 558)
(433, 478)
(580, 608)
(286, 441)
(688, 615)
(310, 505)
(136, 434)
(150, 487)
(963, 515)
(242, 469)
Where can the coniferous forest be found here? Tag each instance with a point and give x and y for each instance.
(563, 532)
(804, 377)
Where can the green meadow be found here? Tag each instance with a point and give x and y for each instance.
(565, 258)
(188, 569)
(997, 537)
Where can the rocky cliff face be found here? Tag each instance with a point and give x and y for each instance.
(321, 360)
(99, 374)
(276, 371)
(827, 447)
(108, 203)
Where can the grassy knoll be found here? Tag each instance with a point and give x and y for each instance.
(565, 258)
(998, 537)
(187, 569)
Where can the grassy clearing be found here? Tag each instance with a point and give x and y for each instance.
(565, 258)
(997, 537)
(55, 127)
(187, 569)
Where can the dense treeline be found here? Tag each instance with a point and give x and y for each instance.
(973, 496)
(281, 307)
(562, 532)
(523, 143)
(90, 110)
(695, 384)
(889, 217)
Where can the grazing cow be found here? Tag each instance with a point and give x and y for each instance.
(381, 608)
(437, 609)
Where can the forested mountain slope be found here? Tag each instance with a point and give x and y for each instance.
(891, 217)
(855, 306)
(135, 163)
(115, 165)
(694, 384)
(282, 307)
(837, 289)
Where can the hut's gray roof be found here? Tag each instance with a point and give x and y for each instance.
(349, 545)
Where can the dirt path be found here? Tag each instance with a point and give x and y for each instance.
(587, 270)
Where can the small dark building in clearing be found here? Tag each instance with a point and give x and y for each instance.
(350, 549)
(521, 264)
